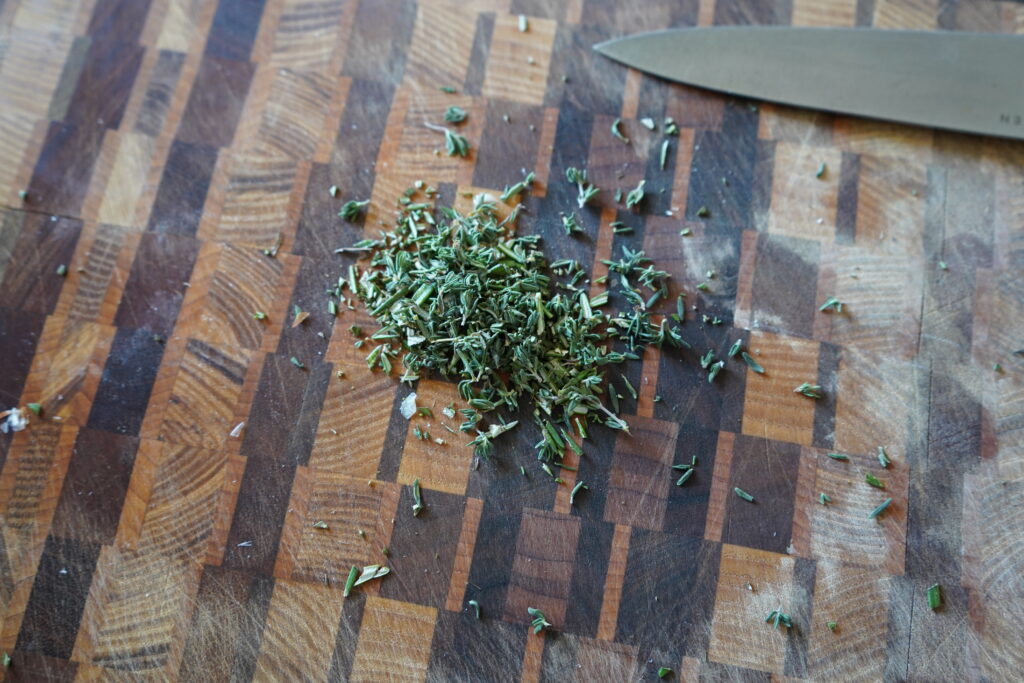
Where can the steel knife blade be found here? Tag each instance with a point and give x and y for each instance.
(970, 82)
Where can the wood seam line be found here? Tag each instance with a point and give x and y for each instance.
(616, 577)
(464, 554)
(533, 656)
(718, 498)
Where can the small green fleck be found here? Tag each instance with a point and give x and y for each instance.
(62, 270)
(476, 608)
(352, 209)
(448, 89)
(664, 671)
(636, 195)
(455, 114)
(259, 315)
(943, 266)
(576, 489)
(524, 25)
(23, 195)
(820, 173)
(417, 504)
(832, 625)
(703, 212)
(36, 408)
(824, 499)
(617, 132)
(687, 473)
(883, 458)
(743, 494)
(935, 596)
(873, 480)
(297, 363)
(735, 348)
(703, 286)
(833, 303)
(880, 509)
(6, 661)
(353, 574)
(751, 363)
(333, 190)
(809, 390)
(320, 524)
(663, 158)
(838, 456)
(538, 621)
(996, 367)
(685, 232)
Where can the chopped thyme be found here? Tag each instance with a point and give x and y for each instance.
(874, 481)
(838, 456)
(586, 191)
(448, 89)
(833, 303)
(883, 458)
(703, 212)
(824, 499)
(687, 473)
(714, 370)
(617, 132)
(779, 618)
(36, 408)
(524, 25)
(832, 625)
(751, 363)
(820, 173)
(476, 608)
(62, 270)
(743, 494)
(664, 671)
(297, 363)
(455, 114)
(670, 127)
(636, 195)
(935, 596)
(735, 348)
(808, 390)
(880, 509)
(538, 622)
(570, 224)
(576, 489)
(352, 209)
(417, 499)
(620, 228)
(353, 574)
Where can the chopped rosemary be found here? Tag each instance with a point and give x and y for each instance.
(833, 303)
(476, 608)
(455, 144)
(636, 195)
(809, 390)
(455, 114)
(714, 370)
(620, 228)
(880, 509)
(586, 191)
(351, 210)
(935, 596)
(576, 489)
(417, 499)
(873, 480)
(617, 132)
(743, 494)
(320, 524)
(663, 158)
(687, 473)
(838, 456)
(751, 363)
(538, 622)
(883, 458)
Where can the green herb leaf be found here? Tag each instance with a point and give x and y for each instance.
(320, 524)
(880, 509)
(743, 494)
(62, 270)
(476, 608)
(36, 408)
(538, 621)
(455, 114)
(838, 456)
(824, 499)
(751, 363)
(820, 173)
(873, 480)
(703, 212)
(350, 582)
(636, 195)
(417, 504)
(352, 209)
(883, 458)
(664, 671)
(297, 363)
(663, 157)
(618, 133)
(809, 390)
(832, 625)
(833, 303)
(576, 489)
(935, 596)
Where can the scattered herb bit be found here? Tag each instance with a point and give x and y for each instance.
(570, 225)
(883, 459)
(23, 196)
(664, 671)
(371, 572)
(417, 499)
(714, 370)
(636, 195)
(618, 133)
(425, 411)
(332, 307)
(523, 24)
(687, 473)
(808, 390)
(824, 499)
(647, 123)
(476, 608)
(586, 191)
(333, 190)
(350, 582)
(514, 190)
(448, 89)
(838, 456)
(832, 625)
(259, 315)
(685, 232)
(935, 596)
(320, 524)
(62, 270)
(620, 228)
(702, 286)
(352, 209)
(670, 127)
(832, 303)
(455, 114)
(880, 509)
(538, 622)
(943, 266)
(779, 618)
(272, 251)
(751, 363)
(820, 173)
(297, 363)
(576, 489)
(663, 158)
(455, 144)
(735, 348)
(996, 367)
(873, 480)
(703, 212)
(743, 494)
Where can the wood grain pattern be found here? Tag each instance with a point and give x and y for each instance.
(164, 144)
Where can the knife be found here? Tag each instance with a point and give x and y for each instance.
(970, 82)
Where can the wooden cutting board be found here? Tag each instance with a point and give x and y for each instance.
(164, 144)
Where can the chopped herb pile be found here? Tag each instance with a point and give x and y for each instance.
(464, 297)
(538, 622)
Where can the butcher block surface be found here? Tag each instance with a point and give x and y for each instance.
(165, 145)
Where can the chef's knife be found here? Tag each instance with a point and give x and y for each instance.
(963, 81)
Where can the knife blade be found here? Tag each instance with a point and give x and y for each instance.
(970, 82)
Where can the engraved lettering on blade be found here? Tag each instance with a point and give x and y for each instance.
(1012, 119)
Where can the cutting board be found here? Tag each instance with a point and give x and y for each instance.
(164, 145)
